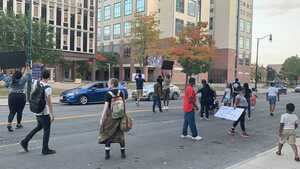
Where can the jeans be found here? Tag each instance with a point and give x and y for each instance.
(16, 103)
(241, 120)
(166, 96)
(43, 122)
(189, 120)
(249, 107)
(205, 109)
(156, 101)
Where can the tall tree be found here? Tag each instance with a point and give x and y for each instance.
(194, 50)
(291, 68)
(14, 35)
(146, 36)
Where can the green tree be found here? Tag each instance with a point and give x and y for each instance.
(291, 68)
(14, 35)
(106, 58)
(146, 36)
(271, 74)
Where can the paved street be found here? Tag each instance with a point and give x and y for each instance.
(154, 142)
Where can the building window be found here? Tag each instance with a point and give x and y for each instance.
(127, 52)
(79, 19)
(107, 13)
(192, 8)
(247, 43)
(85, 41)
(127, 28)
(58, 38)
(51, 12)
(248, 27)
(91, 43)
(1, 4)
(242, 25)
(65, 44)
(44, 12)
(117, 31)
(117, 10)
(91, 21)
(78, 39)
(99, 15)
(140, 5)
(58, 16)
(72, 40)
(178, 27)
(211, 23)
(242, 44)
(66, 17)
(106, 33)
(180, 6)
(91, 4)
(128, 7)
(85, 3)
(72, 18)
(19, 7)
(36, 10)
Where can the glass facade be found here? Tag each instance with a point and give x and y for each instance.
(192, 7)
(117, 31)
(140, 5)
(180, 6)
(117, 10)
(107, 12)
(127, 28)
(128, 7)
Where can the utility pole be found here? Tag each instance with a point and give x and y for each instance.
(29, 42)
(237, 38)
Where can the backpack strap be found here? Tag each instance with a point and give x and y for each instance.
(112, 94)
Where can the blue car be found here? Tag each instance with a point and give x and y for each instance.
(91, 93)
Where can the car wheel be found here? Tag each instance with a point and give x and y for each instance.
(175, 96)
(150, 97)
(83, 100)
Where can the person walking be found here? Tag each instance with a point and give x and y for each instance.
(189, 108)
(16, 97)
(205, 100)
(166, 90)
(272, 96)
(45, 118)
(227, 96)
(240, 102)
(157, 95)
(110, 131)
(236, 88)
(139, 87)
(248, 94)
(287, 130)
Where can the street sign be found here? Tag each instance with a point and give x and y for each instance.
(12, 59)
(229, 113)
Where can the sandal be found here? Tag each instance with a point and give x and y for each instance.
(297, 159)
(278, 153)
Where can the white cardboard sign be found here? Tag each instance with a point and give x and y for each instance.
(229, 113)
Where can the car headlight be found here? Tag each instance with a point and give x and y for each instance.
(70, 94)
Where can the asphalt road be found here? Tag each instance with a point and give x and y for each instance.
(154, 143)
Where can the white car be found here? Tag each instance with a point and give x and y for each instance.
(297, 89)
(148, 91)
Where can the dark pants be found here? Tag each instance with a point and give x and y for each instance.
(156, 101)
(166, 96)
(234, 95)
(189, 120)
(241, 120)
(205, 109)
(249, 107)
(108, 144)
(16, 103)
(43, 122)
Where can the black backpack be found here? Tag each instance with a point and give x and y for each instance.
(37, 102)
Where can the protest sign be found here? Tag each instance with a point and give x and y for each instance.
(229, 113)
(12, 60)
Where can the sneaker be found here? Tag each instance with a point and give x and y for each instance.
(167, 107)
(201, 118)
(245, 135)
(9, 128)
(272, 114)
(48, 152)
(123, 154)
(19, 126)
(231, 131)
(24, 145)
(206, 118)
(249, 118)
(197, 138)
(187, 136)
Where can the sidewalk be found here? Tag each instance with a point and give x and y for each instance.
(269, 160)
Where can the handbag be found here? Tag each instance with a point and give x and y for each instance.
(126, 123)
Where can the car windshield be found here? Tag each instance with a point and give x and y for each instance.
(149, 86)
(97, 85)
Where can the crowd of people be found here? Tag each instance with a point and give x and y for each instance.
(114, 121)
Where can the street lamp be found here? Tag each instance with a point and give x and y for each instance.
(256, 68)
(29, 42)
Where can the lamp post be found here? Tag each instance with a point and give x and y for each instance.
(29, 42)
(256, 67)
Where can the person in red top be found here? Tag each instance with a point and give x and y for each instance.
(189, 107)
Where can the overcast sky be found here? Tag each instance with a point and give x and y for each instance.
(282, 19)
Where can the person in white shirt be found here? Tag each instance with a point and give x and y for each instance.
(287, 130)
(272, 96)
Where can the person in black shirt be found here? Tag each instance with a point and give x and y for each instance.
(248, 94)
(110, 131)
(236, 88)
(205, 99)
(139, 87)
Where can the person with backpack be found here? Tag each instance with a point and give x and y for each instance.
(17, 97)
(166, 89)
(139, 80)
(206, 99)
(157, 95)
(110, 121)
(236, 88)
(41, 105)
(248, 94)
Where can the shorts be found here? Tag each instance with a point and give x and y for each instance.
(166, 92)
(289, 136)
(139, 93)
(272, 100)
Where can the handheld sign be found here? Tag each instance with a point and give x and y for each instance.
(229, 113)
(167, 65)
(12, 59)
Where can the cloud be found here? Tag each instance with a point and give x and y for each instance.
(278, 7)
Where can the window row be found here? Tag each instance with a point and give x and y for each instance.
(115, 30)
(245, 43)
(245, 26)
(192, 7)
(65, 39)
(115, 10)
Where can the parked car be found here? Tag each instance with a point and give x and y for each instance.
(148, 91)
(297, 89)
(282, 89)
(90, 93)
